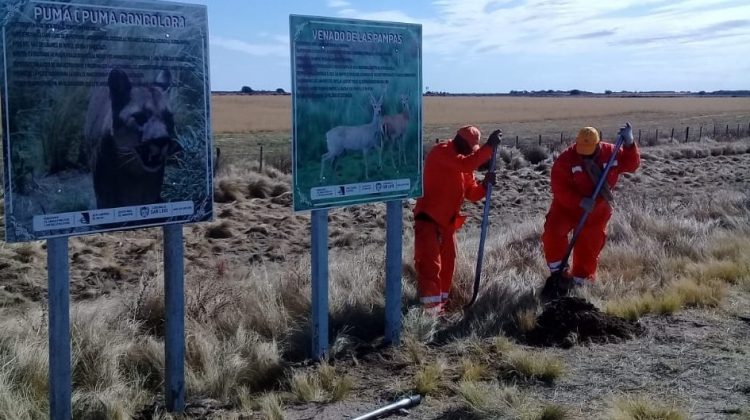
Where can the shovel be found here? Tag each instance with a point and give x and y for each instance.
(483, 235)
(558, 285)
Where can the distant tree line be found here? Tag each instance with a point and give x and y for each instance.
(608, 92)
(247, 90)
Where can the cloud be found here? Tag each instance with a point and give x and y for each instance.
(339, 4)
(589, 35)
(707, 33)
(279, 48)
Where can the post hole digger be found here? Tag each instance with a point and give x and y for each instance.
(581, 180)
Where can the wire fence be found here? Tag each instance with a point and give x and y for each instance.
(644, 137)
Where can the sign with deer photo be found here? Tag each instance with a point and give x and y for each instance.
(357, 111)
(106, 116)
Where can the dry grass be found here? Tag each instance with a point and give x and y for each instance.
(644, 408)
(271, 113)
(429, 378)
(246, 326)
(488, 400)
(535, 365)
(552, 412)
(271, 407)
(525, 320)
(470, 370)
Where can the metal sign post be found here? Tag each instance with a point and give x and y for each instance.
(319, 280)
(394, 241)
(60, 372)
(174, 308)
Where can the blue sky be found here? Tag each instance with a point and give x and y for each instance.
(502, 45)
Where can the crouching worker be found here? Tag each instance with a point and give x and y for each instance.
(448, 180)
(575, 174)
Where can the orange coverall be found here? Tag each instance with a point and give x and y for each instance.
(570, 184)
(448, 180)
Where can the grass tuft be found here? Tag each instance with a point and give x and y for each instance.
(643, 408)
(470, 370)
(429, 378)
(525, 320)
(536, 365)
(322, 385)
(553, 412)
(271, 407)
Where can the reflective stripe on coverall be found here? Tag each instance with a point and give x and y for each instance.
(448, 180)
(570, 185)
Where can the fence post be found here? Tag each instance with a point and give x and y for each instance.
(561, 138)
(700, 134)
(639, 136)
(726, 133)
(671, 136)
(260, 159)
(714, 136)
(540, 139)
(656, 136)
(687, 134)
(738, 130)
(516, 141)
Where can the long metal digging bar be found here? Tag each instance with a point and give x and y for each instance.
(483, 235)
(389, 409)
(585, 216)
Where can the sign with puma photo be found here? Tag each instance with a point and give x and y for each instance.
(106, 120)
(357, 111)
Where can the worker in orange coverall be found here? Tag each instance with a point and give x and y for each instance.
(448, 180)
(574, 176)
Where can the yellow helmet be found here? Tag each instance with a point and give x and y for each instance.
(587, 140)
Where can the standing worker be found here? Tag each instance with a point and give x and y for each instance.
(448, 180)
(574, 176)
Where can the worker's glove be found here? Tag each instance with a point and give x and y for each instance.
(490, 178)
(626, 132)
(587, 204)
(495, 138)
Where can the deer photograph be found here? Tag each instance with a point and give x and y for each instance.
(394, 133)
(363, 137)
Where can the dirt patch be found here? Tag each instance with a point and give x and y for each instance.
(568, 321)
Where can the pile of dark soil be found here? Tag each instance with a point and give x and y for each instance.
(568, 321)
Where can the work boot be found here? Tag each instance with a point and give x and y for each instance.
(435, 309)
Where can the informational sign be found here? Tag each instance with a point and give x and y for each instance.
(357, 111)
(106, 122)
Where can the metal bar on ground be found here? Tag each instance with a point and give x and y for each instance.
(174, 322)
(401, 404)
(393, 263)
(319, 263)
(60, 371)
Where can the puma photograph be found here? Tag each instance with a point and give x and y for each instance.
(134, 140)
